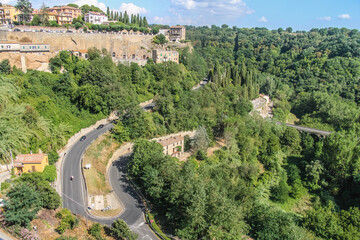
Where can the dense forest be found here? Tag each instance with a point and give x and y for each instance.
(269, 181)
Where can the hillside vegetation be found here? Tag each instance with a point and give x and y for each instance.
(269, 182)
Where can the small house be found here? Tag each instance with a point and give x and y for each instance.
(26, 163)
(173, 146)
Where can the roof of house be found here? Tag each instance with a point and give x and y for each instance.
(30, 158)
(177, 27)
(81, 51)
(96, 13)
(169, 141)
(64, 7)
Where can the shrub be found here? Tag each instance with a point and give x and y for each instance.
(95, 231)
(120, 230)
(5, 185)
(49, 173)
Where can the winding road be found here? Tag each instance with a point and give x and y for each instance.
(73, 192)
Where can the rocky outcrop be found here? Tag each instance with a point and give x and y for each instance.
(33, 61)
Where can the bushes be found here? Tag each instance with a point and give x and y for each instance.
(68, 221)
(120, 230)
(95, 231)
(49, 173)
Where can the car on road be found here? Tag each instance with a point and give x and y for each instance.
(100, 126)
(82, 138)
(17, 30)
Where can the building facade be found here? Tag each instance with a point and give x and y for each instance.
(25, 163)
(21, 47)
(66, 10)
(160, 56)
(177, 33)
(8, 14)
(173, 146)
(95, 18)
(64, 14)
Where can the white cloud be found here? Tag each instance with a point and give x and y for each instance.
(263, 19)
(7, 1)
(132, 8)
(207, 11)
(344, 16)
(326, 18)
(162, 20)
(100, 5)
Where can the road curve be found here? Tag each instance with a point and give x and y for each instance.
(73, 192)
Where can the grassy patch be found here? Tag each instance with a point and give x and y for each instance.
(98, 155)
(156, 227)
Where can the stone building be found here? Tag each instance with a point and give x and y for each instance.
(160, 56)
(177, 33)
(173, 146)
(23, 47)
(95, 18)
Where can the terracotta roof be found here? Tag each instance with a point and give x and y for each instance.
(177, 27)
(29, 158)
(81, 51)
(169, 141)
(64, 7)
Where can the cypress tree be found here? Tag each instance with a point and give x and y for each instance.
(108, 11)
(112, 15)
(121, 17)
(145, 23)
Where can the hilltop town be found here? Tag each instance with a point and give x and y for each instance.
(30, 40)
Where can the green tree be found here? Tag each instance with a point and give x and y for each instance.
(23, 204)
(201, 140)
(25, 7)
(78, 25)
(120, 230)
(120, 133)
(5, 66)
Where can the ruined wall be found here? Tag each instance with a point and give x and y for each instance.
(23, 61)
(120, 44)
(135, 47)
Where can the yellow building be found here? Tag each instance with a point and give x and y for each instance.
(8, 14)
(65, 14)
(25, 163)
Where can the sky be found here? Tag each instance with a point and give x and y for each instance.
(272, 14)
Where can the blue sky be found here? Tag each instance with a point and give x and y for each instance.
(272, 14)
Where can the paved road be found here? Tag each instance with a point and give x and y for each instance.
(307, 129)
(73, 194)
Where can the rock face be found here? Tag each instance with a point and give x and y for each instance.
(120, 46)
(34, 61)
